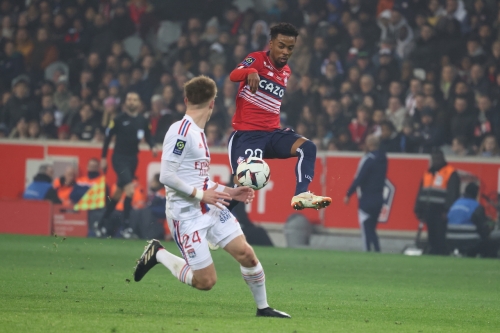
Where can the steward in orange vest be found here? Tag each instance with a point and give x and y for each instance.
(439, 189)
(138, 199)
(64, 186)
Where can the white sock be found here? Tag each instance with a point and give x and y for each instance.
(176, 265)
(256, 280)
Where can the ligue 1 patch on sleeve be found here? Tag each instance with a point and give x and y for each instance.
(179, 147)
(248, 61)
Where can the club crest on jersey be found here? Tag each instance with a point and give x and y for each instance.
(179, 147)
(240, 159)
(272, 88)
(248, 61)
(191, 253)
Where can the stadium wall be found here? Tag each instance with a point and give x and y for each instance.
(333, 174)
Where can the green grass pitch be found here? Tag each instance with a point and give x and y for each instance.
(82, 285)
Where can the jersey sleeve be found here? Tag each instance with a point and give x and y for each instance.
(175, 146)
(253, 60)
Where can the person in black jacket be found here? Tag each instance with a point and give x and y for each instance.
(370, 181)
(390, 139)
(130, 128)
(20, 105)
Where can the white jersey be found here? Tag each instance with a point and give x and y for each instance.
(185, 143)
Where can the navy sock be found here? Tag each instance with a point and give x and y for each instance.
(127, 206)
(110, 207)
(304, 170)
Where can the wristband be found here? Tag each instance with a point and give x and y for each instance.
(198, 195)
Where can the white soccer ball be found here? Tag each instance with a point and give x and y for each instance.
(253, 172)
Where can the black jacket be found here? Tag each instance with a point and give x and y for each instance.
(17, 108)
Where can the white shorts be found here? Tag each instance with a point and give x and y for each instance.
(219, 227)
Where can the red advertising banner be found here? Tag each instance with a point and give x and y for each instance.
(333, 175)
(26, 217)
(69, 223)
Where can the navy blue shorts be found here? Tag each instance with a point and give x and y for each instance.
(261, 144)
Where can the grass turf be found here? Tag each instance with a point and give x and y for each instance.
(82, 285)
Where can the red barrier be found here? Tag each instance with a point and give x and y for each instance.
(404, 173)
(26, 217)
(69, 223)
(333, 175)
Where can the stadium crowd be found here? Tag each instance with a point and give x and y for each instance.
(417, 73)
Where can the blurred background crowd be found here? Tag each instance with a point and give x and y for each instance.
(418, 73)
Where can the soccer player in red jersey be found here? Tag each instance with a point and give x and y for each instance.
(263, 77)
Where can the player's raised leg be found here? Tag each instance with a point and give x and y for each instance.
(305, 150)
(253, 274)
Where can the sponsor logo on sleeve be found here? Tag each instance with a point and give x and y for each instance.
(179, 147)
(248, 61)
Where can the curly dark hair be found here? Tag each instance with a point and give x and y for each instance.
(285, 29)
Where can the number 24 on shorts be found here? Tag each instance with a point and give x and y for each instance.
(187, 241)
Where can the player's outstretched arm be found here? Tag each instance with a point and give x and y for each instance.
(213, 197)
(242, 193)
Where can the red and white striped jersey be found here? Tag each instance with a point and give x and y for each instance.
(261, 111)
(186, 144)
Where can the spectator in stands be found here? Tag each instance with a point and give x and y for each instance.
(110, 111)
(390, 139)
(462, 120)
(11, 64)
(48, 128)
(41, 187)
(20, 131)
(395, 113)
(369, 181)
(359, 126)
(489, 147)
(85, 127)
(488, 119)
(158, 123)
(451, 39)
(459, 147)
(20, 105)
(439, 188)
(430, 134)
(44, 53)
(64, 185)
(34, 130)
(24, 44)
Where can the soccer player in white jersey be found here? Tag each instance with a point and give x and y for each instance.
(196, 207)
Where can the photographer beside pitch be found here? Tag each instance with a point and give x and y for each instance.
(195, 207)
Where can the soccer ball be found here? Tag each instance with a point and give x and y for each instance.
(253, 172)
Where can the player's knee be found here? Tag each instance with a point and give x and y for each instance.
(246, 256)
(206, 283)
(129, 190)
(309, 148)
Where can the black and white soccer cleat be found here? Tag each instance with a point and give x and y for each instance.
(147, 260)
(99, 230)
(270, 312)
(128, 233)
